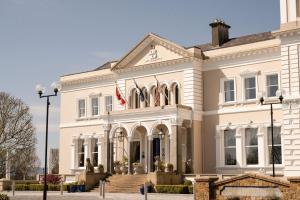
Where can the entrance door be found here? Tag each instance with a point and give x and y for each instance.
(156, 150)
(136, 151)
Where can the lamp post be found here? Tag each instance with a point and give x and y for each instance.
(280, 97)
(41, 90)
(121, 139)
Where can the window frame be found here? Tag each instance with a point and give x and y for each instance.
(266, 82)
(222, 86)
(224, 149)
(268, 157)
(92, 107)
(244, 86)
(94, 152)
(105, 103)
(78, 154)
(247, 146)
(78, 108)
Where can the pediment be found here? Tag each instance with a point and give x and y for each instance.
(152, 49)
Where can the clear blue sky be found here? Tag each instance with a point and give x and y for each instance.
(41, 40)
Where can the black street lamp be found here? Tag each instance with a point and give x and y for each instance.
(40, 90)
(280, 97)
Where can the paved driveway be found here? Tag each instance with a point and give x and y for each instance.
(95, 196)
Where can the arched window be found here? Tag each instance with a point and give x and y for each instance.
(166, 95)
(134, 99)
(175, 96)
(94, 148)
(146, 97)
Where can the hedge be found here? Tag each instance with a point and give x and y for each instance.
(191, 190)
(4, 197)
(174, 189)
(38, 187)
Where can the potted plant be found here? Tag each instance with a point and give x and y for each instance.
(137, 167)
(124, 165)
(101, 169)
(169, 167)
(81, 186)
(149, 187)
(117, 166)
(73, 187)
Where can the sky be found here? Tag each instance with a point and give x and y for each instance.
(41, 40)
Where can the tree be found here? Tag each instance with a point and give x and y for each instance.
(17, 133)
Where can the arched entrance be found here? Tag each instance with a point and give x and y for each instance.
(138, 149)
(119, 147)
(159, 148)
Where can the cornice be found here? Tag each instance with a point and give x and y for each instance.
(243, 54)
(158, 64)
(89, 79)
(287, 33)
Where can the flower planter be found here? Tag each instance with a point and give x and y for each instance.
(81, 188)
(73, 188)
(124, 170)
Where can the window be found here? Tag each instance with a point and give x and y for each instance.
(145, 93)
(80, 153)
(108, 103)
(95, 106)
(250, 88)
(166, 95)
(251, 146)
(81, 108)
(176, 94)
(94, 147)
(230, 147)
(277, 145)
(272, 85)
(229, 93)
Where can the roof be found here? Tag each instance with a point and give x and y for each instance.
(248, 39)
(106, 65)
(258, 37)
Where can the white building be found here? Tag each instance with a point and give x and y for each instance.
(205, 117)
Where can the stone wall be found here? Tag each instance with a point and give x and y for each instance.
(247, 187)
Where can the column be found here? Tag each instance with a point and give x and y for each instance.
(150, 153)
(99, 143)
(111, 156)
(219, 150)
(105, 148)
(86, 148)
(129, 155)
(167, 148)
(173, 147)
(239, 146)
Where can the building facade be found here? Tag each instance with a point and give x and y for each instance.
(195, 107)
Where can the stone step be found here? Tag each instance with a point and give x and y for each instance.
(123, 183)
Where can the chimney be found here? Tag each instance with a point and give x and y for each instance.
(220, 32)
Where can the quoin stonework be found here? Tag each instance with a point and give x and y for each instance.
(194, 107)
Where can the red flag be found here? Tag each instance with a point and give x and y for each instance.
(119, 97)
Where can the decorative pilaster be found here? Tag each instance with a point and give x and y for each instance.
(150, 153)
(239, 146)
(105, 151)
(129, 155)
(173, 146)
(73, 153)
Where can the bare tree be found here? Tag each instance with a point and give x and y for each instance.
(53, 161)
(17, 134)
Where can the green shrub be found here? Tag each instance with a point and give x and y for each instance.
(21, 187)
(4, 197)
(36, 187)
(191, 191)
(175, 189)
(187, 182)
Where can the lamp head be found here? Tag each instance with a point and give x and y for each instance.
(56, 87)
(280, 94)
(261, 97)
(39, 89)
